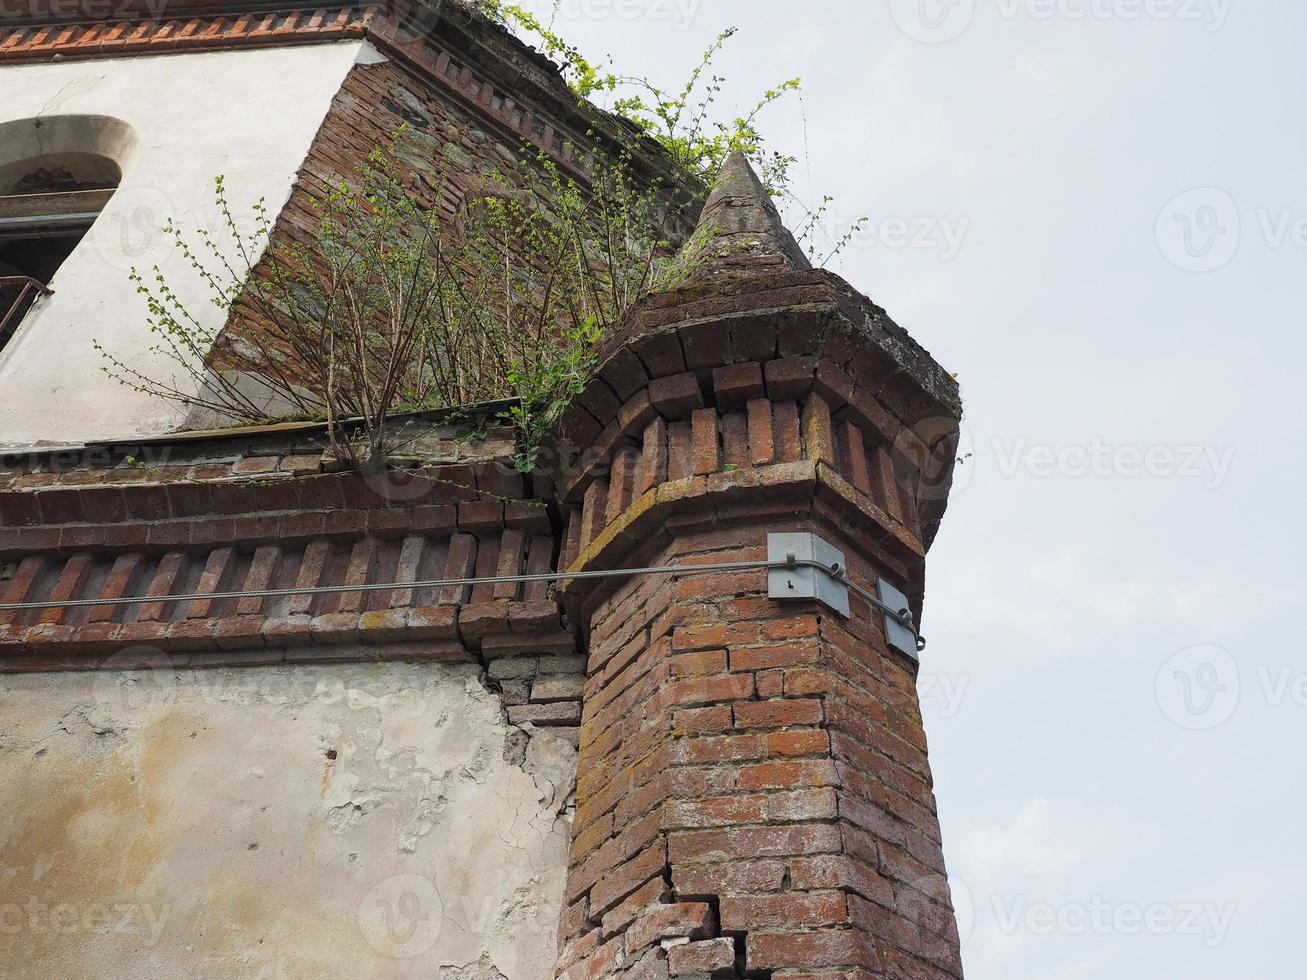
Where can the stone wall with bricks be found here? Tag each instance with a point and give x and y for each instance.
(742, 781)
(342, 783)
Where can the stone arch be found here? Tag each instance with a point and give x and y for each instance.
(56, 175)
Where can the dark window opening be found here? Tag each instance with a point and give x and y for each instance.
(44, 214)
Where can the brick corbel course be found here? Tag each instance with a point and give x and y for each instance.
(231, 534)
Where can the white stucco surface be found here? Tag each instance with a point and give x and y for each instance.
(247, 115)
(298, 822)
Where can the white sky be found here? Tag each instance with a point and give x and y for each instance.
(1053, 137)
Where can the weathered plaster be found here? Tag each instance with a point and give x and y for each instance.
(194, 823)
(248, 115)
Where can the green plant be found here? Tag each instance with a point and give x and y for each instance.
(387, 308)
(683, 119)
(552, 274)
(680, 119)
(335, 326)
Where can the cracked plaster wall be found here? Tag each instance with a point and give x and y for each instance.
(325, 821)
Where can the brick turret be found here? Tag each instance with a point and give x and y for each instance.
(754, 796)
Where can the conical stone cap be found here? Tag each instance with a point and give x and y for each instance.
(740, 228)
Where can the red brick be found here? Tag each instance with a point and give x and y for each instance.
(833, 384)
(705, 449)
(408, 567)
(481, 517)
(316, 556)
(594, 512)
(698, 721)
(797, 743)
(539, 561)
(729, 877)
(707, 690)
(653, 893)
(779, 714)
(749, 843)
(621, 483)
(885, 484)
(512, 555)
(653, 460)
(790, 379)
(735, 441)
(459, 564)
(680, 463)
(853, 455)
(479, 619)
(770, 683)
(68, 586)
(19, 587)
(685, 919)
(721, 811)
(626, 878)
(360, 571)
(747, 913)
(774, 950)
(708, 956)
(700, 664)
(789, 440)
(636, 414)
(795, 654)
(840, 871)
(255, 465)
(212, 579)
(735, 384)
(818, 431)
(724, 748)
(259, 578)
(762, 443)
(675, 397)
(788, 774)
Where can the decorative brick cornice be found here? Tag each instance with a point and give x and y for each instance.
(252, 513)
(41, 42)
(884, 412)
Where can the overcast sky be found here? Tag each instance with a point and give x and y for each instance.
(1106, 238)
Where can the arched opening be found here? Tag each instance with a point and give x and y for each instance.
(56, 175)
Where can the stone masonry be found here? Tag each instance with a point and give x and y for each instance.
(753, 796)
